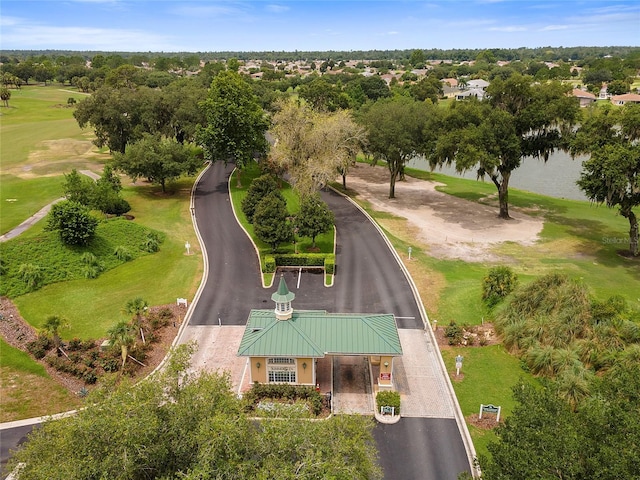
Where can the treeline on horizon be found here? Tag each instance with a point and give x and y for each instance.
(459, 55)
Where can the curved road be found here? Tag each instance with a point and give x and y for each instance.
(368, 280)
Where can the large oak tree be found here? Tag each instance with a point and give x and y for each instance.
(396, 130)
(178, 424)
(612, 174)
(518, 119)
(235, 122)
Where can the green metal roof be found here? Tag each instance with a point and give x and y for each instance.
(283, 295)
(315, 333)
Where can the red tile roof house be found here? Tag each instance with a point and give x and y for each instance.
(585, 98)
(626, 98)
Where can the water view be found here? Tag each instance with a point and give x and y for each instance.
(556, 178)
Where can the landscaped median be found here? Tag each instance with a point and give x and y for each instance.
(299, 253)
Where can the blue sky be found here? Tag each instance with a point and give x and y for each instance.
(198, 25)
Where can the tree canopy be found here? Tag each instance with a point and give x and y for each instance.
(612, 174)
(396, 130)
(73, 221)
(313, 218)
(520, 119)
(157, 159)
(235, 122)
(179, 424)
(313, 147)
(545, 438)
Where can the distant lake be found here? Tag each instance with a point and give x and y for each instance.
(556, 178)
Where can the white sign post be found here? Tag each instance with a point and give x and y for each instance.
(459, 359)
(490, 409)
(409, 253)
(187, 246)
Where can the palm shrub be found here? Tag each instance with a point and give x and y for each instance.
(497, 284)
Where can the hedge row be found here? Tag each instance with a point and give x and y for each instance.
(326, 260)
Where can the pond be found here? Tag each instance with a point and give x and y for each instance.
(555, 178)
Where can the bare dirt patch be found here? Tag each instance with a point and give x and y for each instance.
(451, 227)
(50, 155)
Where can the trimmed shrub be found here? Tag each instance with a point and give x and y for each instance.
(330, 264)
(268, 264)
(388, 398)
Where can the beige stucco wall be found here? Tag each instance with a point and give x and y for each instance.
(258, 374)
(305, 375)
(385, 379)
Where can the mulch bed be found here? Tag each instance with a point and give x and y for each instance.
(487, 422)
(18, 333)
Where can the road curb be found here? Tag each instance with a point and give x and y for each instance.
(459, 417)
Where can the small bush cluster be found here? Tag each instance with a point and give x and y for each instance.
(73, 366)
(499, 283)
(159, 319)
(285, 392)
(326, 260)
(40, 346)
(388, 398)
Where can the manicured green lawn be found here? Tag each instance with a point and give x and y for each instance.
(40, 141)
(573, 241)
(487, 377)
(27, 389)
(93, 306)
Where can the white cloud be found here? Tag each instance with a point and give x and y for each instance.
(549, 28)
(276, 8)
(200, 11)
(26, 36)
(10, 21)
(509, 28)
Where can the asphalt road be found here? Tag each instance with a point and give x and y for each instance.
(368, 280)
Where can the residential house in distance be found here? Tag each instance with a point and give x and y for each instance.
(473, 88)
(585, 98)
(626, 98)
(285, 345)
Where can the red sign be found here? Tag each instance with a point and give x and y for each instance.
(385, 376)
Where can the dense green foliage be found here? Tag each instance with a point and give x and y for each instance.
(184, 425)
(235, 122)
(388, 398)
(58, 262)
(612, 174)
(396, 129)
(313, 218)
(546, 438)
(271, 220)
(260, 187)
(497, 284)
(73, 222)
(157, 159)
